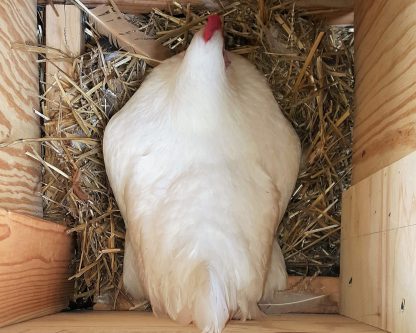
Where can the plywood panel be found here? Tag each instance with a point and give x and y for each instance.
(19, 174)
(133, 322)
(34, 267)
(378, 252)
(385, 116)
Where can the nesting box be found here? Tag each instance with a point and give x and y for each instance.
(378, 254)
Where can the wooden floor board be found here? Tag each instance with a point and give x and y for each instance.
(133, 322)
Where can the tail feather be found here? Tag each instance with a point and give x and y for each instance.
(209, 308)
(210, 311)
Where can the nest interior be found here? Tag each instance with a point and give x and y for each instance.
(309, 66)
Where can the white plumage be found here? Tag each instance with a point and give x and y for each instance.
(202, 164)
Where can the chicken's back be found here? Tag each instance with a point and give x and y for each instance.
(202, 180)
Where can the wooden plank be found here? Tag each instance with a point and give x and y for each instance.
(335, 4)
(34, 267)
(19, 85)
(320, 285)
(301, 297)
(346, 18)
(142, 6)
(129, 6)
(63, 32)
(385, 116)
(378, 251)
(306, 295)
(131, 322)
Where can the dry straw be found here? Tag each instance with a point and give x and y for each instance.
(308, 65)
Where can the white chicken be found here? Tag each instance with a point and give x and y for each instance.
(202, 163)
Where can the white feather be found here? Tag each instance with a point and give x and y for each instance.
(202, 163)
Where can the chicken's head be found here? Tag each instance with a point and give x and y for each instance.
(207, 47)
(213, 25)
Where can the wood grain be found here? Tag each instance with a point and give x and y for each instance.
(142, 6)
(133, 322)
(378, 251)
(34, 267)
(385, 116)
(19, 84)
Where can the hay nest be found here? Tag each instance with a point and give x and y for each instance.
(308, 65)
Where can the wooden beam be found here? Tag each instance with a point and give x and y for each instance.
(130, 322)
(63, 32)
(385, 115)
(129, 6)
(378, 251)
(19, 89)
(34, 267)
(346, 18)
(332, 4)
(143, 6)
(306, 295)
(316, 286)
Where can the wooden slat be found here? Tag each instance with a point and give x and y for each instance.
(133, 322)
(385, 116)
(320, 285)
(19, 84)
(378, 252)
(63, 32)
(140, 6)
(334, 4)
(129, 6)
(34, 267)
(306, 295)
(346, 18)
(302, 297)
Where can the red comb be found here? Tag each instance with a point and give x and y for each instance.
(213, 24)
